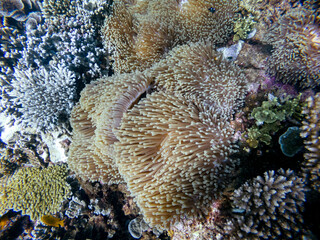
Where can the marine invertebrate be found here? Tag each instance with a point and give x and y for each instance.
(140, 33)
(197, 69)
(291, 142)
(296, 48)
(43, 96)
(207, 20)
(35, 192)
(310, 130)
(272, 206)
(179, 147)
(268, 118)
(95, 123)
(18, 9)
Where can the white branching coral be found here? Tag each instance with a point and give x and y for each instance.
(271, 206)
(44, 97)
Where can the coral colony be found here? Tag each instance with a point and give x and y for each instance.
(159, 119)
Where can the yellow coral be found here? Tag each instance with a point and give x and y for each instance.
(34, 191)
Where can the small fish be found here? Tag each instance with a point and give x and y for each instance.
(212, 9)
(52, 221)
(4, 220)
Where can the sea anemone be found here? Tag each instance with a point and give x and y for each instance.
(296, 48)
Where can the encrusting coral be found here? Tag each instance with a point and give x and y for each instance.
(310, 130)
(296, 48)
(34, 191)
(140, 33)
(270, 207)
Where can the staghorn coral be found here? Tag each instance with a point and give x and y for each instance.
(140, 33)
(270, 207)
(44, 97)
(311, 132)
(179, 148)
(296, 48)
(197, 69)
(34, 191)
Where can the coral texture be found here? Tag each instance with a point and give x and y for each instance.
(173, 154)
(35, 192)
(197, 69)
(44, 97)
(140, 33)
(296, 54)
(18, 9)
(271, 207)
(95, 122)
(311, 131)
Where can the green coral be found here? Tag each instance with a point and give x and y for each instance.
(242, 27)
(58, 7)
(268, 118)
(34, 191)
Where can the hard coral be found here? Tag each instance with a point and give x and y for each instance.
(35, 192)
(296, 48)
(43, 97)
(271, 207)
(311, 132)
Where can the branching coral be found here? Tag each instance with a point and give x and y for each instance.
(271, 206)
(44, 97)
(311, 131)
(35, 192)
(142, 32)
(296, 54)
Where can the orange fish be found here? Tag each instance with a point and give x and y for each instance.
(52, 221)
(4, 220)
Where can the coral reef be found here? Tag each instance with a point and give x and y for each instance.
(140, 33)
(35, 192)
(178, 139)
(310, 131)
(270, 207)
(296, 48)
(44, 97)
